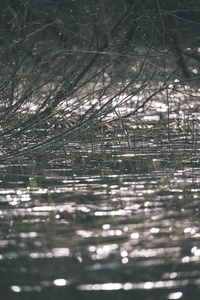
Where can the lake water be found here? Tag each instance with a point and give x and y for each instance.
(117, 219)
(99, 151)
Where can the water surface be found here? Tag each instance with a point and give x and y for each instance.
(118, 222)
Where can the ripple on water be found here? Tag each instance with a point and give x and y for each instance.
(127, 223)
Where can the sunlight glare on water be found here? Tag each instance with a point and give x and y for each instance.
(126, 222)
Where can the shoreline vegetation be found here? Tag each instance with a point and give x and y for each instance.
(74, 71)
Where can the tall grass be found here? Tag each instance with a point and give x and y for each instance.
(69, 68)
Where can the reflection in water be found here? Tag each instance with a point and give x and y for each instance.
(115, 224)
(133, 286)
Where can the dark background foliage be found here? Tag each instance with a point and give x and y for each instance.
(55, 53)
